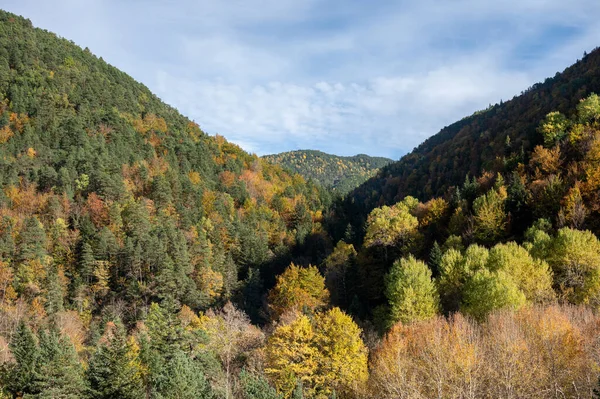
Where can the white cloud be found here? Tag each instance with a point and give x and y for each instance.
(340, 76)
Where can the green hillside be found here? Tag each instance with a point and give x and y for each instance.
(340, 174)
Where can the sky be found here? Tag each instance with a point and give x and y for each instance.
(341, 76)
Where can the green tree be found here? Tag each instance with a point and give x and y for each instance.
(255, 386)
(456, 269)
(532, 276)
(184, 379)
(25, 351)
(59, 374)
(411, 293)
(554, 128)
(588, 109)
(574, 256)
(487, 291)
(114, 370)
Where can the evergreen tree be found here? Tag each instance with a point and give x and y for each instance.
(86, 262)
(114, 370)
(54, 291)
(435, 258)
(256, 387)
(59, 373)
(298, 392)
(25, 351)
(183, 379)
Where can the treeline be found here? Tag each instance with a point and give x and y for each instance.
(339, 174)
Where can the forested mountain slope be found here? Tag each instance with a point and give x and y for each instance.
(340, 174)
(108, 194)
(493, 140)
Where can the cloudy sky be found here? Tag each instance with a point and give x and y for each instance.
(341, 76)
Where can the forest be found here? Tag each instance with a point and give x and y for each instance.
(143, 258)
(338, 174)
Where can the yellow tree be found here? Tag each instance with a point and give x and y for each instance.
(392, 226)
(325, 354)
(291, 356)
(300, 288)
(342, 364)
(489, 215)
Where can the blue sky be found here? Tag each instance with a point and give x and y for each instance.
(345, 77)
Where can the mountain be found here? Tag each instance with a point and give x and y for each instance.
(493, 140)
(96, 171)
(340, 174)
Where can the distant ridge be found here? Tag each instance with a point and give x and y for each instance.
(341, 174)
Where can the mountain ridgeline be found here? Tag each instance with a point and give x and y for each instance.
(494, 140)
(339, 174)
(142, 258)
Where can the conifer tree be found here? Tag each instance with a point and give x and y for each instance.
(114, 369)
(256, 387)
(59, 374)
(25, 351)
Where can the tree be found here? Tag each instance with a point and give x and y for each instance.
(59, 373)
(298, 288)
(532, 276)
(391, 226)
(489, 215)
(230, 334)
(487, 291)
(588, 109)
(254, 386)
(411, 293)
(114, 369)
(554, 128)
(342, 361)
(184, 379)
(337, 265)
(25, 351)
(325, 354)
(290, 356)
(575, 259)
(456, 269)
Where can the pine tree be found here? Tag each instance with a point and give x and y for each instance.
(24, 348)
(114, 370)
(86, 262)
(59, 374)
(32, 240)
(298, 392)
(183, 379)
(435, 258)
(54, 291)
(256, 387)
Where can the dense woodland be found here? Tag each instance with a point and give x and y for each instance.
(338, 174)
(143, 258)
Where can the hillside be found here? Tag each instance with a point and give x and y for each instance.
(493, 140)
(340, 174)
(105, 185)
(142, 258)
